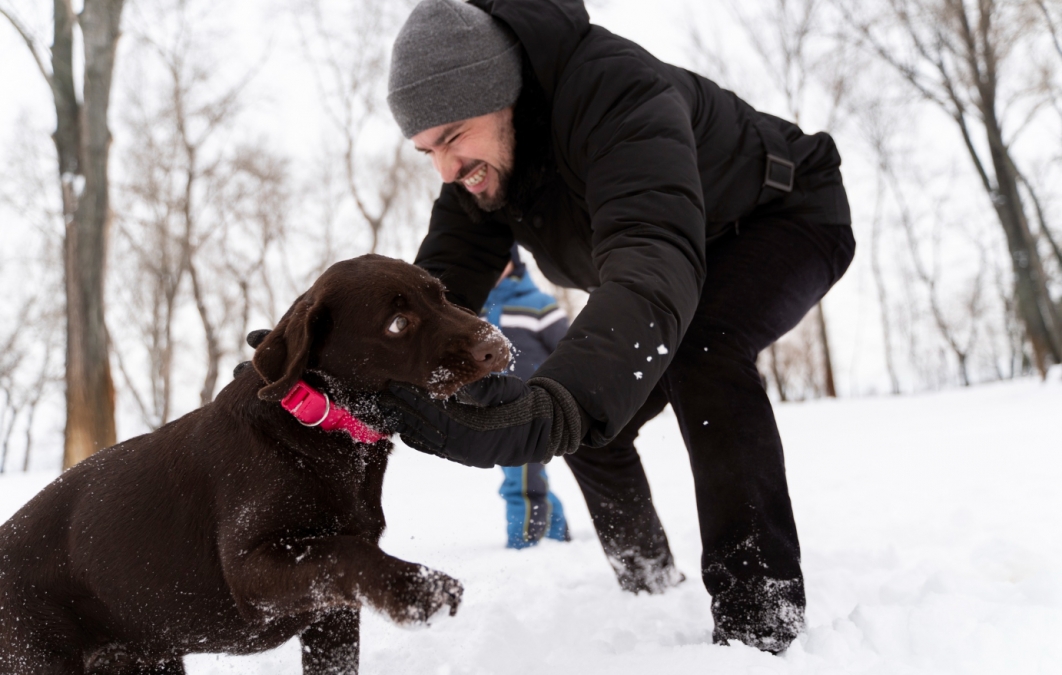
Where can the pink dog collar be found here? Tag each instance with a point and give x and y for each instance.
(313, 409)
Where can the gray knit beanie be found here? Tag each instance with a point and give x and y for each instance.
(451, 61)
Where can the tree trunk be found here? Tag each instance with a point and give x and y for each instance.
(6, 443)
(83, 141)
(829, 385)
(883, 302)
(776, 372)
(1039, 314)
(210, 380)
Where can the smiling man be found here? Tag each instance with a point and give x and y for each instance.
(703, 231)
(491, 139)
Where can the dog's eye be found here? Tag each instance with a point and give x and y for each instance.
(398, 325)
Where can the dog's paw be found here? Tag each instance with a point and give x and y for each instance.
(418, 594)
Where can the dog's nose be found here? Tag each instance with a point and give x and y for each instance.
(491, 352)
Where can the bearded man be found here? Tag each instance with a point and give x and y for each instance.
(702, 229)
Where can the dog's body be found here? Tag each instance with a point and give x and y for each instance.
(201, 561)
(235, 527)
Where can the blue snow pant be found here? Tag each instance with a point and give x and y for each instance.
(531, 510)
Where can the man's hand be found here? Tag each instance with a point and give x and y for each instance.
(497, 421)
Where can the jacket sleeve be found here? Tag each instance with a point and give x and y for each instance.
(630, 138)
(466, 256)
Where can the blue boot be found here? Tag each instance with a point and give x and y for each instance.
(558, 524)
(531, 510)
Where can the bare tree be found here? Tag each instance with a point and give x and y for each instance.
(11, 354)
(1033, 191)
(242, 224)
(1018, 360)
(193, 198)
(82, 141)
(26, 374)
(880, 287)
(31, 330)
(254, 218)
(955, 54)
(780, 371)
(348, 50)
(794, 364)
(1051, 72)
(202, 211)
(154, 253)
(781, 35)
(929, 274)
(29, 341)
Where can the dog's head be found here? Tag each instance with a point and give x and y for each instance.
(372, 320)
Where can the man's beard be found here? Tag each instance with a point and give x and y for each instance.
(500, 198)
(489, 203)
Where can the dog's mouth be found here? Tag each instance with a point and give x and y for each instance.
(491, 353)
(441, 382)
(446, 379)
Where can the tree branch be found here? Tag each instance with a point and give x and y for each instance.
(30, 42)
(144, 414)
(1052, 27)
(907, 72)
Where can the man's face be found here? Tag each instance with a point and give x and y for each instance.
(477, 153)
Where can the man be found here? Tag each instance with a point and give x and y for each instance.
(533, 324)
(702, 229)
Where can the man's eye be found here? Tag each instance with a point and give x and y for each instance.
(398, 324)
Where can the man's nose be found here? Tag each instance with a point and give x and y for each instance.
(449, 167)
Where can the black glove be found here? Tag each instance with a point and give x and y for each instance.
(499, 420)
(493, 390)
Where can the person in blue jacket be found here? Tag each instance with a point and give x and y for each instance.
(534, 324)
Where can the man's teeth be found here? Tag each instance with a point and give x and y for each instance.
(476, 178)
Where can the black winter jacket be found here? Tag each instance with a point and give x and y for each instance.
(652, 163)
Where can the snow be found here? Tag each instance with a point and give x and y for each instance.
(930, 526)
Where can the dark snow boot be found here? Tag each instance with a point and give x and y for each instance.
(637, 573)
(763, 613)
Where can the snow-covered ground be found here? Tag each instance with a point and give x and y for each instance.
(931, 528)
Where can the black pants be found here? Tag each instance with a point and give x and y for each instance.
(762, 279)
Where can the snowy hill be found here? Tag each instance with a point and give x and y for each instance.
(930, 527)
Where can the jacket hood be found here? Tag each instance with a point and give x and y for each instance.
(549, 30)
(512, 290)
(512, 287)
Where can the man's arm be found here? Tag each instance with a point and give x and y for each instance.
(644, 195)
(633, 142)
(466, 256)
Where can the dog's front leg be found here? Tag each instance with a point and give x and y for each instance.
(311, 575)
(331, 644)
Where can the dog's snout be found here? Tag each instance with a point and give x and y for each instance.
(491, 352)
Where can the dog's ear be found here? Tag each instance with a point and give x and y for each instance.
(281, 357)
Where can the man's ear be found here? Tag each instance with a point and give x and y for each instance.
(281, 357)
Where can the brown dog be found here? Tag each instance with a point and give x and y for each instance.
(235, 527)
